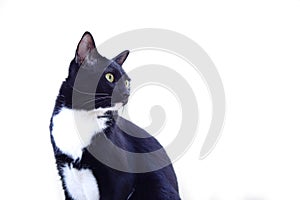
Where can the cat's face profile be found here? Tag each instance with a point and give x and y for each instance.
(95, 81)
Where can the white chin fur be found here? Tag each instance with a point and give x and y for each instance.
(102, 111)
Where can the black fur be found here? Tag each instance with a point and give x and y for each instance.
(113, 184)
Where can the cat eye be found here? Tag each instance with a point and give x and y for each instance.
(109, 77)
(127, 83)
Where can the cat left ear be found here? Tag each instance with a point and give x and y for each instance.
(120, 59)
(85, 46)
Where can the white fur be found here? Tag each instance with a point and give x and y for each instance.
(81, 184)
(73, 130)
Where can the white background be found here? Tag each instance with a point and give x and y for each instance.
(254, 44)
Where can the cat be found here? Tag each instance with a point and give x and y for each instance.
(84, 124)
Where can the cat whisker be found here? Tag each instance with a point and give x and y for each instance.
(88, 93)
(96, 99)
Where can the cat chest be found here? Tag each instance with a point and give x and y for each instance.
(80, 184)
(73, 130)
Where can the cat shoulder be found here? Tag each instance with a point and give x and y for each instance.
(144, 141)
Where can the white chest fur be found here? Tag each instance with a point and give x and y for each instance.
(73, 130)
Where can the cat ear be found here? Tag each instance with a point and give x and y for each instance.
(120, 59)
(85, 46)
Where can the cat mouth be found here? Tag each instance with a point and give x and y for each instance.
(124, 102)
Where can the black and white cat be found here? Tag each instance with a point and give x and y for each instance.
(85, 121)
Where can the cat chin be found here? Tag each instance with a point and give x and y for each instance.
(102, 111)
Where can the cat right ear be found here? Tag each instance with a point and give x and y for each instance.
(84, 47)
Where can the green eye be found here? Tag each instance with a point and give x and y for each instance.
(127, 83)
(109, 77)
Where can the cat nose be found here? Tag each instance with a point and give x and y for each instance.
(125, 94)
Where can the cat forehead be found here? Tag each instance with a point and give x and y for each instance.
(101, 66)
(114, 67)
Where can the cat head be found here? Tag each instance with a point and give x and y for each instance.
(94, 81)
